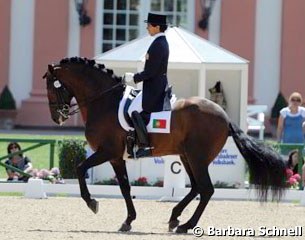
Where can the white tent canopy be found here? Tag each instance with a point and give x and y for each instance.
(195, 65)
(185, 47)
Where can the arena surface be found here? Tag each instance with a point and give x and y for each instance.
(69, 218)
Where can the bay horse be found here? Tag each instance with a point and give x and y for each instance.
(199, 130)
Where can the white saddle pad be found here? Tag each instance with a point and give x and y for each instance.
(159, 121)
(121, 117)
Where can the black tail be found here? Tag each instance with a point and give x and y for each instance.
(266, 166)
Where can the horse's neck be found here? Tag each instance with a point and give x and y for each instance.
(88, 92)
(98, 99)
(83, 111)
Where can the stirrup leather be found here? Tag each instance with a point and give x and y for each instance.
(130, 142)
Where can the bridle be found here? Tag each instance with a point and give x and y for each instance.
(61, 91)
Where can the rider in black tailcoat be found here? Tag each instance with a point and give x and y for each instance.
(154, 80)
(154, 75)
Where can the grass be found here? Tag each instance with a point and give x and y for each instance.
(61, 195)
(40, 157)
(11, 194)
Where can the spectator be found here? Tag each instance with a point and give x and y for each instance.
(293, 175)
(24, 164)
(290, 123)
(293, 161)
(18, 161)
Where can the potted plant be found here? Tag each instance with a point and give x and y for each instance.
(70, 153)
(8, 110)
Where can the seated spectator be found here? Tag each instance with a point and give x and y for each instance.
(24, 164)
(293, 176)
(293, 161)
(18, 161)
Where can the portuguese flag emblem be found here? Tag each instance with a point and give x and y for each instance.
(159, 123)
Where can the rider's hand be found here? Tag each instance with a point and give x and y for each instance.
(128, 77)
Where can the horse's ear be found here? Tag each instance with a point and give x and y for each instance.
(50, 68)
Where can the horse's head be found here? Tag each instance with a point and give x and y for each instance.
(83, 79)
(58, 95)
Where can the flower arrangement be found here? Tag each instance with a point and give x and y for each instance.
(52, 175)
(220, 184)
(110, 181)
(158, 183)
(141, 181)
(293, 180)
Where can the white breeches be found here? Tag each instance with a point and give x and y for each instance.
(136, 104)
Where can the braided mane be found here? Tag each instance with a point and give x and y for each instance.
(93, 64)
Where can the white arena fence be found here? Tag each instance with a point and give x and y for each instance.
(37, 188)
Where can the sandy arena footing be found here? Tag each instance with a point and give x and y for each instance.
(69, 218)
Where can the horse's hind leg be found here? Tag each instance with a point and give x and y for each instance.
(119, 168)
(205, 188)
(178, 209)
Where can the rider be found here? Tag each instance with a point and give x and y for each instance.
(154, 80)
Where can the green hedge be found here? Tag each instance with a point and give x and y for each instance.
(70, 153)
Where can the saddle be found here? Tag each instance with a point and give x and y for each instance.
(159, 121)
(129, 95)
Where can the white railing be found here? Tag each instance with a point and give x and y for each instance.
(256, 118)
(48, 189)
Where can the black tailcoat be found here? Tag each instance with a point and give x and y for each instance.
(154, 75)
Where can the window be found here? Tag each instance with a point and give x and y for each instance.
(122, 20)
(176, 11)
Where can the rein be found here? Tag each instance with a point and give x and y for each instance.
(64, 110)
(85, 102)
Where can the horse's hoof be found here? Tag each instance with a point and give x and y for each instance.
(172, 225)
(93, 205)
(181, 229)
(125, 228)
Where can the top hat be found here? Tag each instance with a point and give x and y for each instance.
(157, 19)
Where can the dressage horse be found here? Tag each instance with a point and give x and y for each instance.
(199, 130)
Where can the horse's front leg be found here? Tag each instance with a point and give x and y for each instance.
(95, 159)
(119, 168)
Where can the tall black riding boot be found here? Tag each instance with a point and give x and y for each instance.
(138, 123)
